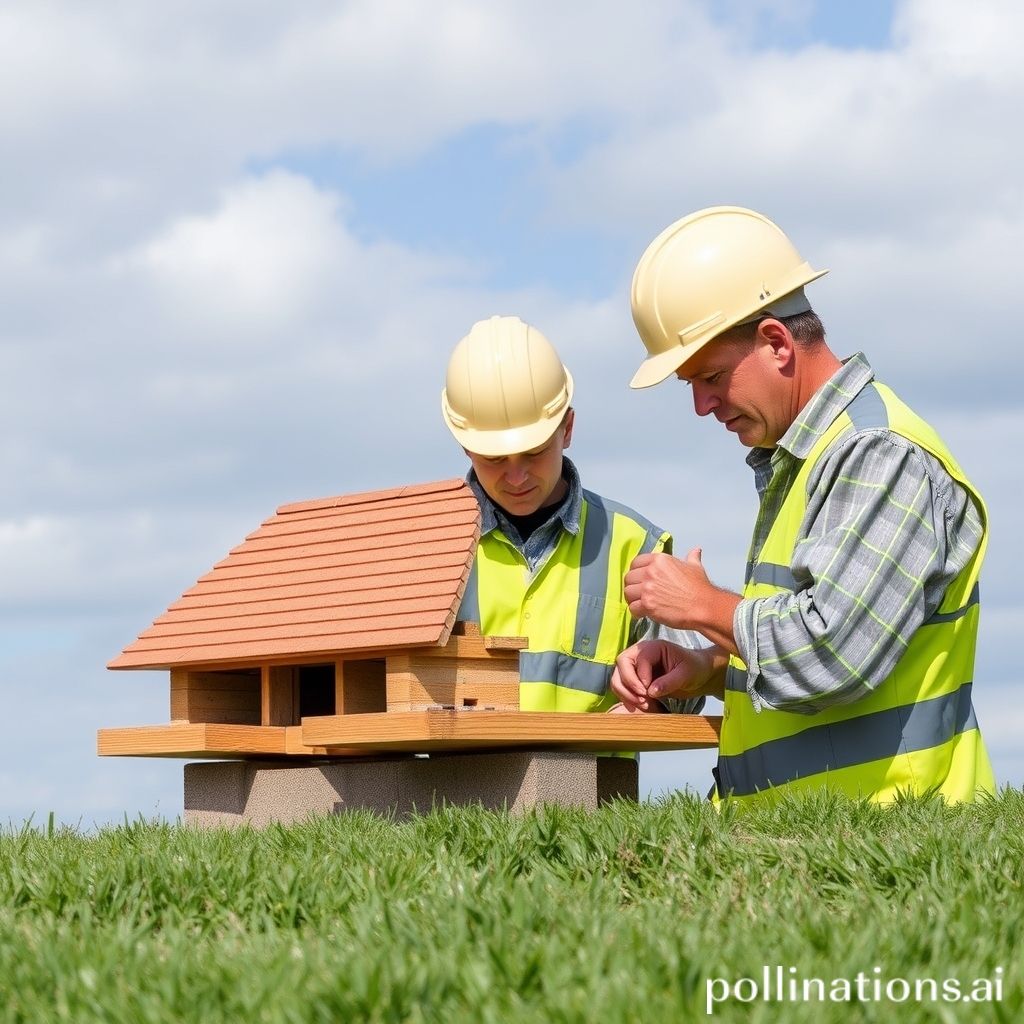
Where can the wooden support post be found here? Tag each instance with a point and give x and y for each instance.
(179, 695)
(279, 695)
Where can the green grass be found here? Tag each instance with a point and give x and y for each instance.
(468, 915)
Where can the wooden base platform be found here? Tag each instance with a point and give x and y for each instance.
(415, 732)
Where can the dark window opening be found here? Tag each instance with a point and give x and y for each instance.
(316, 690)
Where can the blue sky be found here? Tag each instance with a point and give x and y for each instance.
(237, 246)
(480, 194)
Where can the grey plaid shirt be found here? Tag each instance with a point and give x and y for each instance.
(885, 532)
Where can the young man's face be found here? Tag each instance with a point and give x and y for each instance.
(525, 482)
(738, 381)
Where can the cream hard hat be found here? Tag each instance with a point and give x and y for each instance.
(506, 389)
(715, 269)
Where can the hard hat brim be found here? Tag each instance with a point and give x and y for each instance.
(513, 441)
(661, 366)
(655, 369)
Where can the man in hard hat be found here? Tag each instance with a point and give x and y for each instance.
(847, 661)
(552, 555)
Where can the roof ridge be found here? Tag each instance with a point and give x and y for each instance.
(371, 497)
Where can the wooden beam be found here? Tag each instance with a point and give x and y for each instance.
(414, 732)
(505, 648)
(293, 745)
(472, 629)
(425, 731)
(191, 739)
(179, 695)
(212, 741)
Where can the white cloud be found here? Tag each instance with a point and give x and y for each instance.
(188, 341)
(904, 149)
(257, 260)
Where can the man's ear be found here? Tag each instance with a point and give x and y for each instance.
(570, 418)
(774, 334)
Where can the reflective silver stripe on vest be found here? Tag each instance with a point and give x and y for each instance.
(564, 670)
(736, 679)
(623, 510)
(899, 730)
(773, 574)
(469, 610)
(959, 613)
(594, 555)
(867, 411)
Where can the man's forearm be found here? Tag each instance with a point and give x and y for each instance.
(713, 617)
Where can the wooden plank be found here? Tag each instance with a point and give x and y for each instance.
(200, 739)
(478, 647)
(293, 745)
(228, 701)
(425, 731)
(179, 695)
(230, 680)
(359, 686)
(506, 643)
(305, 659)
(496, 696)
(486, 697)
(455, 669)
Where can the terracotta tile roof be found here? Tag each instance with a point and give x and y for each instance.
(359, 572)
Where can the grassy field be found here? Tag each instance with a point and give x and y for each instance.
(634, 913)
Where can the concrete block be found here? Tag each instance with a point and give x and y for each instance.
(618, 778)
(231, 793)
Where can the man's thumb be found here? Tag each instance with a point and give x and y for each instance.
(667, 684)
(694, 556)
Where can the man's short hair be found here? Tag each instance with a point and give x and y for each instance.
(806, 328)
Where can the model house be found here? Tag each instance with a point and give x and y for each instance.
(330, 631)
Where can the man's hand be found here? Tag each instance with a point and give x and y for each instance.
(678, 593)
(657, 668)
(663, 588)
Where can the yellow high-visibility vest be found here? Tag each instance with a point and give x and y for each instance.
(917, 731)
(572, 610)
